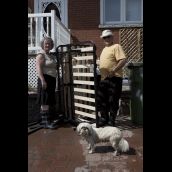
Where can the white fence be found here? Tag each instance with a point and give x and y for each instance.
(40, 24)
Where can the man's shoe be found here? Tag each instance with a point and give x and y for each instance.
(111, 123)
(102, 122)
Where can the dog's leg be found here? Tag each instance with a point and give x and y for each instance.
(89, 146)
(92, 149)
(115, 143)
(116, 152)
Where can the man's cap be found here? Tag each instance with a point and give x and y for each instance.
(106, 33)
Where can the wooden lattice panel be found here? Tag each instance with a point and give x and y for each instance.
(32, 75)
(131, 40)
(141, 43)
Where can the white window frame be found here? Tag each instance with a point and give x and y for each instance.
(122, 14)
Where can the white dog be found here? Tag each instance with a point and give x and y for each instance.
(94, 135)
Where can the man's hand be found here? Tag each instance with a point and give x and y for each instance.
(111, 74)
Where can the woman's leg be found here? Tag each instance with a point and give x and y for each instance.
(46, 99)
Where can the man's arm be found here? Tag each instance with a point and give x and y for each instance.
(120, 64)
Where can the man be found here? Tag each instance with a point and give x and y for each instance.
(112, 60)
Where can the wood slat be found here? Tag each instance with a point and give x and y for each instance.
(85, 106)
(83, 82)
(84, 98)
(82, 90)
(83, 74)
(80, 67)
(85, 114)
(83, 58)
(84, 49)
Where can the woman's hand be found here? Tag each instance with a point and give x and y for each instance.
(44, 84)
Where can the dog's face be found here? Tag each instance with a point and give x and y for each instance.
(84, 132)
(84, 129)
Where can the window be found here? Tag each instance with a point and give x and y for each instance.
(121, 12)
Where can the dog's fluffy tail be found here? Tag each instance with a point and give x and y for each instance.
(123, 145)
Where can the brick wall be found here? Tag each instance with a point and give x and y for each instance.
(83, 14)
(31, 5)
(84, 20)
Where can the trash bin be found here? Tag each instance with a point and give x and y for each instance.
(136, 84)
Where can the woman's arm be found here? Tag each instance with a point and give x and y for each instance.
(40, 60)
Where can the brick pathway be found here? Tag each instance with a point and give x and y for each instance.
(62, 150)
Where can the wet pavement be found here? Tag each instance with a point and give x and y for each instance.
(62, 150)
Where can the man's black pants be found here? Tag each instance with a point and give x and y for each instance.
(109, 93)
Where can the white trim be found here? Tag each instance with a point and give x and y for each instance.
(122, 15)
(142, 11)
(66, 13)
(120, 25)
(101, 12)
(123, 11)
(36, 2)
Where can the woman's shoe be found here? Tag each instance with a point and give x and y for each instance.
(46, 123)
(50, 126)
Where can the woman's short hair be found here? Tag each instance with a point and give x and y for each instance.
(47, 39)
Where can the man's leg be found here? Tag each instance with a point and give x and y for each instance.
(102, 101)
(114, 91)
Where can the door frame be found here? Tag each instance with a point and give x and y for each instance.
(63, 8)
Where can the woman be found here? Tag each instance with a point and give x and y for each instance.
(46, 68)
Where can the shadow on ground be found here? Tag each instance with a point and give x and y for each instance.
(125, 123)
(106, 149)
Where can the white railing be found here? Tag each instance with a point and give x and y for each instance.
(41, 24)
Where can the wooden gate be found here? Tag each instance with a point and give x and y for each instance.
(78, 81)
